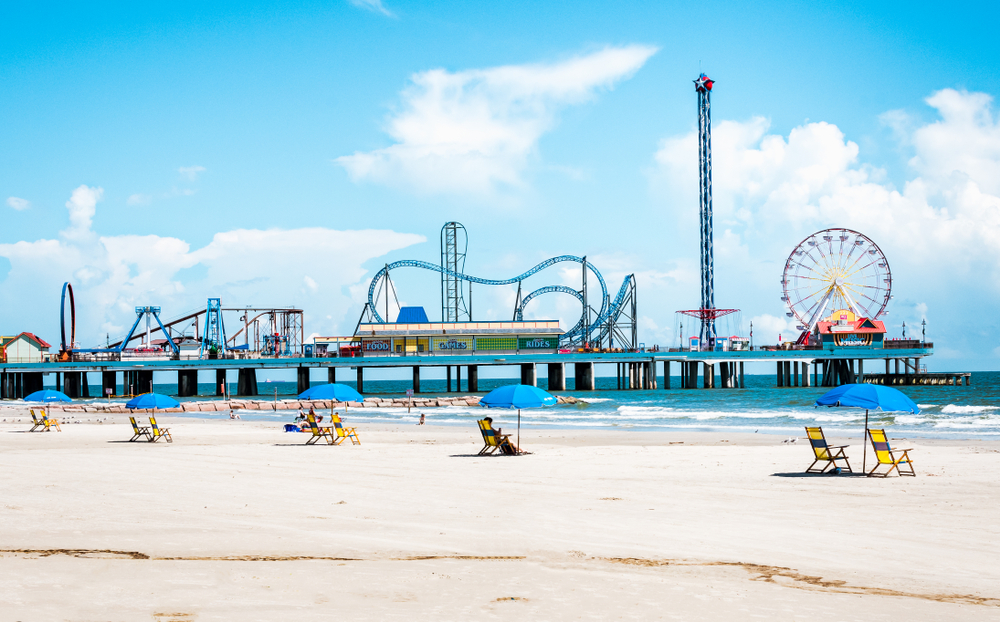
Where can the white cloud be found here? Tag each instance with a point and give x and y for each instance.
(373, 5)
(139, 199)
(113, 274)
(18, 204)
(191, 172)
(940, 230)
(474, 131)
(82, 206)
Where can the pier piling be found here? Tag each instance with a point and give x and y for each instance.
(474, 378)
(528, 374)
(246, 383)
(187, 382)
(557, 376)
(583, 376)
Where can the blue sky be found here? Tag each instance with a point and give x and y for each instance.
(228, 151)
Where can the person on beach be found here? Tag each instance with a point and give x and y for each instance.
(233, 415)
(421, 419)
(506, 447)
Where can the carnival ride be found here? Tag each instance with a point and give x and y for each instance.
(611, 326)
(835, 269)
(266, 331)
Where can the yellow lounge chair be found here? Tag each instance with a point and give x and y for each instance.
(494, 441)
(887, 455)
(489, 437)
(39, 423)
(344, 433)
(139, 432)
(825, 453)
(318, 432)
(48, 422)
(156, 433)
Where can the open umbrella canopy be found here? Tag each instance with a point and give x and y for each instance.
(517, 396)
(869, 397)
(151, 401)
(47, 395)
(335, 392)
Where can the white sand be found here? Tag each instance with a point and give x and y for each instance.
(239, 521)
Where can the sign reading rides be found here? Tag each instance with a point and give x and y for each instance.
(538, 343)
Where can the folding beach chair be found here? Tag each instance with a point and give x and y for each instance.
(318, 432)
(344, 433)
(139, 432)
(887, 456)
(157, 433)
(39, 423)
(825, 453)
(48, 421)
(494, 441)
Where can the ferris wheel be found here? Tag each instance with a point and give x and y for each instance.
(835, 269)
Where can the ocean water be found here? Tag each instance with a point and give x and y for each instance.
(945, 411)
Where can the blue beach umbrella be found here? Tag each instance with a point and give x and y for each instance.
(47, 395)
(869, 397)
(335, 392)
(517, 396)
(151, 401)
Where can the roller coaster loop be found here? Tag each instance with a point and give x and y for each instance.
(607, 309)
(62, 317)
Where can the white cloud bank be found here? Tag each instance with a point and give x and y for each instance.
(473, 131)
(940, 231)
(113, 274)
(18, 203)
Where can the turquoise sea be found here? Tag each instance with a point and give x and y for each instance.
(946, 411)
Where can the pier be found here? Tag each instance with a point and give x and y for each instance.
(633, 370)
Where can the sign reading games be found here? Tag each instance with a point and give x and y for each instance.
(453, 344)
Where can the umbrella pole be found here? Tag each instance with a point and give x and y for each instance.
(864, 443)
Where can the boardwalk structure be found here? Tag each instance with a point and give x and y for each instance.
(634, 370)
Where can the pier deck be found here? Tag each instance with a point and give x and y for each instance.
(634, 370)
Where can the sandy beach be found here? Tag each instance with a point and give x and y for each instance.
(237, 520)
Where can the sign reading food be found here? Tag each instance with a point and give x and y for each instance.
(376, 345)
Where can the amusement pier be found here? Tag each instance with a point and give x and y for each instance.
(836, 285)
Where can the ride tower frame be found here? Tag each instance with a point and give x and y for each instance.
(454, 246)
(703, 87)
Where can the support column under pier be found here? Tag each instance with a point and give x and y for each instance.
(361, 379)
(583, 376)
(557, 376)
(302, 379)
(331, 375)
(666, 375)
(416, 379)
(187, 382)
(805, 374)
(447, 374)
(474, 378)
(71, 384)
(246, 383)
(528, 374)
(458, 378)
(742, 383)
(34, 381)
(693, 375)
(708, 376)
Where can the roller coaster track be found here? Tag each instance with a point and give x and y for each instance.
(608, 308)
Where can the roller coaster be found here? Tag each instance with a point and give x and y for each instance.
(611, 326)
